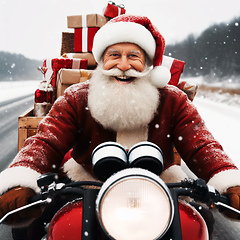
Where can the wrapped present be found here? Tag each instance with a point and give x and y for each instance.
(112, 10)
(189, 88)
(52, 66)
(67, 77)
(89, 20)
(89, 56)
(83, 38)
(44, 93)
(176, 68)
(43, 99)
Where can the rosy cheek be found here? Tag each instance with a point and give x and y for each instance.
(106, 65)
(139, 66)
(109, 64)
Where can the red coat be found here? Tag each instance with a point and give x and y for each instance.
(70, 125)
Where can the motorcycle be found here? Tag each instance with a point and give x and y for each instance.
(129, 202)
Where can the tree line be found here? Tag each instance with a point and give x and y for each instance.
(216, 52)
(17, 67)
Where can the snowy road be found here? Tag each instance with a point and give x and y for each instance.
(223, 121)
(9, 112)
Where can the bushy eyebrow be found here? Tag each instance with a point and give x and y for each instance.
(110, 51)
(135, 52)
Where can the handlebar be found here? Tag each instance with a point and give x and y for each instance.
(38, 202)
(199, 190)
(196, 189)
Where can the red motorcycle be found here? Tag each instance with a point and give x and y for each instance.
(132, 203)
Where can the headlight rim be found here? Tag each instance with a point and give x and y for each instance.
(132, 173)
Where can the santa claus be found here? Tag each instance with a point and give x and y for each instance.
(127, 101)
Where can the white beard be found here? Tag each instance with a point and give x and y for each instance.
(122, 106)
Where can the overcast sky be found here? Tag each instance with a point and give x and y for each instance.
(34, 27)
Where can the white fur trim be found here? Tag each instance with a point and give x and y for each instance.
(119, 32)
(160, 76)
(76, 172)
(225, 179)
(173, 174)
(18, 176)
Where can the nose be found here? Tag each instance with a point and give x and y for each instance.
(123, 64)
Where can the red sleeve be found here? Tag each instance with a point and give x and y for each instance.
(196, 145)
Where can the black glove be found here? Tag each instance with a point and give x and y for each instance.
(15, 198)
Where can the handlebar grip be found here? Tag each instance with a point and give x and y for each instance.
(224, 199)
(35, 198)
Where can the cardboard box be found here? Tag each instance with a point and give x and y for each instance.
(27, 126)
(67, 77)
(89, 56)
(89, 20)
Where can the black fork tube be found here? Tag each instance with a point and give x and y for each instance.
(175, 230)
(89, 221)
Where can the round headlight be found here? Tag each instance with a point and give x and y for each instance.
(134, 204)
(146, 155)
(107, 159)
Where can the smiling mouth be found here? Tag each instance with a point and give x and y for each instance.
(124, 79)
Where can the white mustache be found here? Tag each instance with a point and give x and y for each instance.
(115, 72)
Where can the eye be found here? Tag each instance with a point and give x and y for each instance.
(133, 55)
(114, 55)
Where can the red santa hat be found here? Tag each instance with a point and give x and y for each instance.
(140, 31)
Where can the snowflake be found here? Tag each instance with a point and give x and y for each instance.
(180, 138)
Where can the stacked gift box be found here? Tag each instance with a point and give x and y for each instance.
(78, 45)
(85, 28)
(76, 62)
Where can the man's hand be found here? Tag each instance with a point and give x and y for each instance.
(15, 198)
(234, 195)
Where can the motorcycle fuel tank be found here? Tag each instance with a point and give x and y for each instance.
(67, 223)
(192, 224)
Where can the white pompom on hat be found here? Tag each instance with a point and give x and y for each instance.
(140, 31)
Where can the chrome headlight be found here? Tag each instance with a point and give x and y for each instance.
(134, 204)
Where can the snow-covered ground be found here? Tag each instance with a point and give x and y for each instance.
(223, 121)
(14, 89)
(218, 96)
(221, 112)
